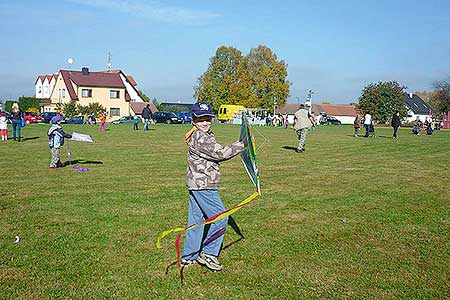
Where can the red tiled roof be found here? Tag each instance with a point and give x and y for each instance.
(335, 109)
(131, 80)
(137, 107)
(100, 79)
(41, 77)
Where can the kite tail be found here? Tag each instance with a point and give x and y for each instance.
(210, 220)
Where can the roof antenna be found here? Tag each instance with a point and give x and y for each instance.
(109, 64)
(70, 62)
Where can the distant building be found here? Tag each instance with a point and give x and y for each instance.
(417, 108)
(345, 113)
(112, 89)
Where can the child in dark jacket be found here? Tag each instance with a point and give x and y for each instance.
(55, 140)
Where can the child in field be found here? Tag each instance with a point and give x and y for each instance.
(135, 123)
(55, 140)
(102, 122)
(202, 180)
(4, 126)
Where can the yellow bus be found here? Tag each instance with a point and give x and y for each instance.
(229, 111)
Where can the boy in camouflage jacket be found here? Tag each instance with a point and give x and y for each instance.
(202, 180)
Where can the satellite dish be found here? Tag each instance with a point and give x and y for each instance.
(70, 60)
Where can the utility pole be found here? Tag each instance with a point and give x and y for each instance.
(309, 99)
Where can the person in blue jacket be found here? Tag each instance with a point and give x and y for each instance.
(56, 140)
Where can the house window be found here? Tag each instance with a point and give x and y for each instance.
(114, 94)
(114, 112)
(63, 93)
(86, 93)
(40, 89)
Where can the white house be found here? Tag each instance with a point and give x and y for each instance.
(417, 108)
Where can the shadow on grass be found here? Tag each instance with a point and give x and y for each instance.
(30, 138)
(83, 162)
(289, 148)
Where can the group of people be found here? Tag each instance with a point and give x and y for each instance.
(16, 118)
(367, 121)
(426, 126)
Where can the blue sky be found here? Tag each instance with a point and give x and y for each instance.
(334, 48)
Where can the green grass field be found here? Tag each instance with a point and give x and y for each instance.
(351, 218)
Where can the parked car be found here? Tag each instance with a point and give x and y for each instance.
(185, 116)
(126, 119)
(75, 120)
(47, 116)
(329, 120)
(167, 117)
(31, 117)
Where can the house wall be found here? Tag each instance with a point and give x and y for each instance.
(55, 97)
(414, 117)
(345, 119)
(38, 89)
(102, 96)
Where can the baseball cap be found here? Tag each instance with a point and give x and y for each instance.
(56, 119)
(201, 109)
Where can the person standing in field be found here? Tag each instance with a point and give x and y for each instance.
(357, 125)
(147, 115)
(395, 123)
(367, 123)
(4, 126)
(202, 181)
(56, 140)
(302, 121)
(102, 122)
(16, 116)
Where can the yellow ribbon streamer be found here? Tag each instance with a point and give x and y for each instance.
(220, 217)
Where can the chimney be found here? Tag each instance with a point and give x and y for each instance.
(410, 95)
(85, 71)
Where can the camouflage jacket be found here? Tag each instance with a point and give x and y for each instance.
(203, 160)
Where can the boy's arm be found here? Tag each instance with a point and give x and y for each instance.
(66, 135)
(208, 149)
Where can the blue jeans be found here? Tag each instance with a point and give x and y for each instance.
(204, 204)
(145, 124)
(17, 124)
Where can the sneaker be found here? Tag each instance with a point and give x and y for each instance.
(299, 150)
(187, 262)
(210, 261)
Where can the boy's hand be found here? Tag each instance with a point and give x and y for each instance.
(244, 140)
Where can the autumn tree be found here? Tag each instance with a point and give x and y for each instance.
(254, 81)
(218, 85)
(442, 95)
(268, 77)
(382, 99)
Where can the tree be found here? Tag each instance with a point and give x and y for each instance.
(255, 81)
(430, 98)
(442, 96)
(96, 109)
(382, 99)
(29, 104)
(268, 77)
(218, 85)
(70, 109)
